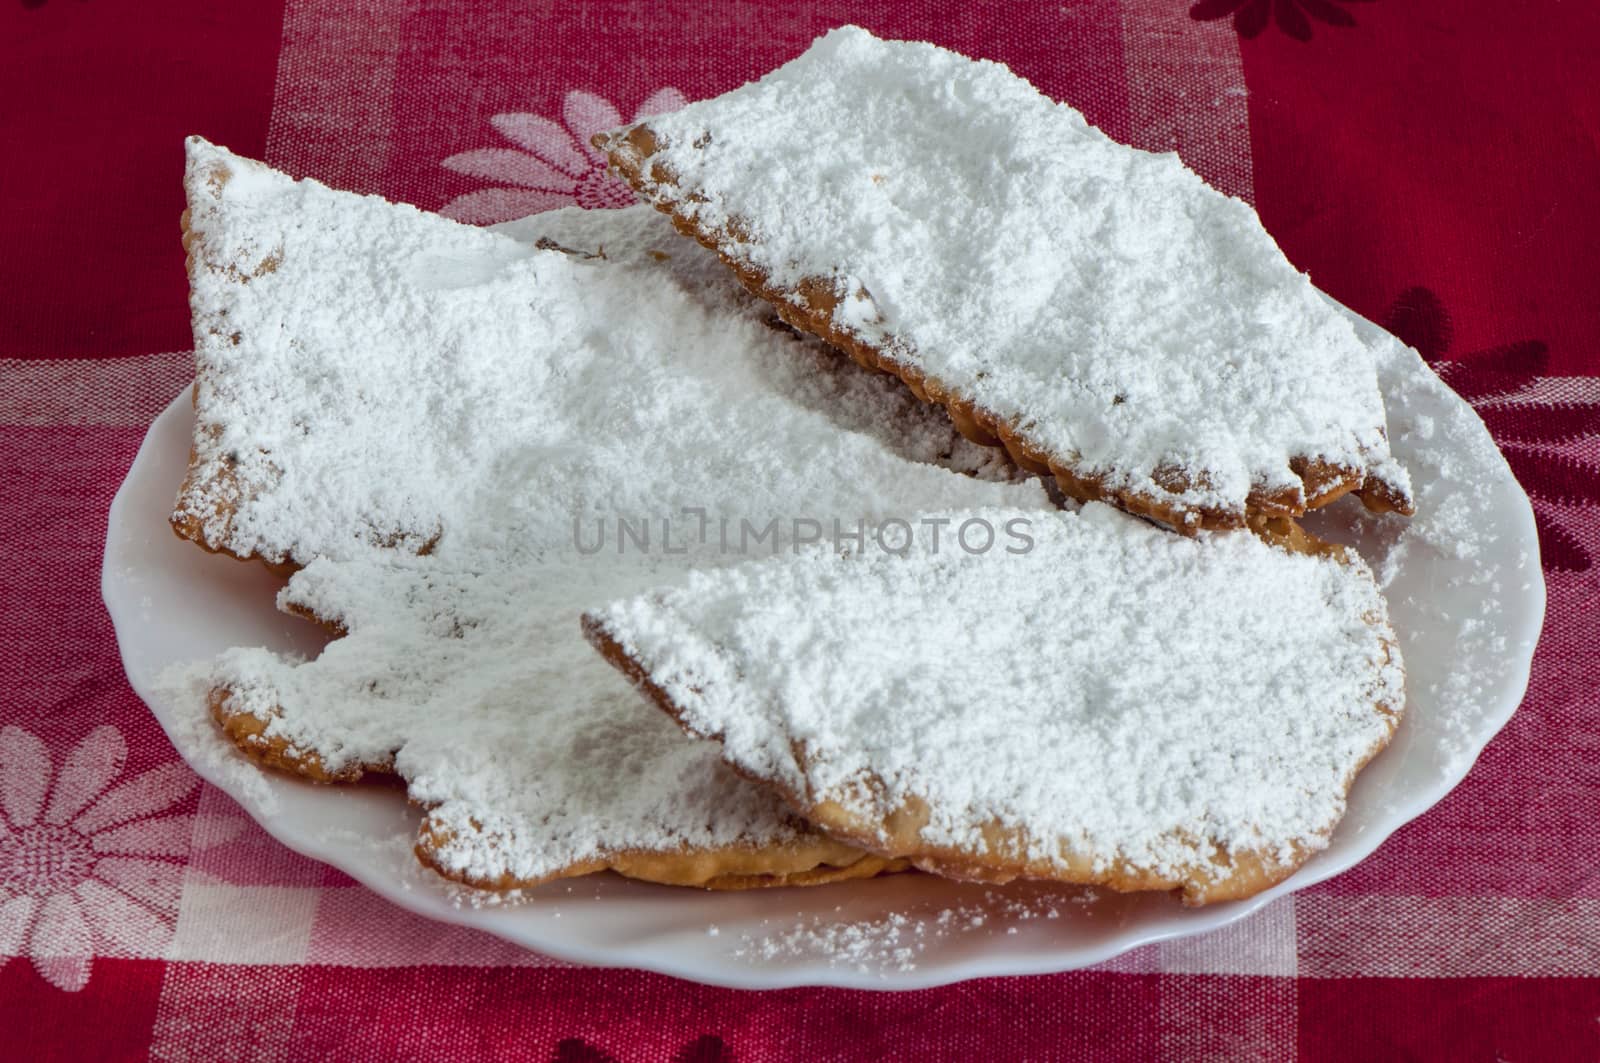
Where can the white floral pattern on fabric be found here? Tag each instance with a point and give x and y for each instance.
(85, 866)
(553, 165)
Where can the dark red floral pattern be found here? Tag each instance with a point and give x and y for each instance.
(1294, 17)
(707, 1048)
(1496, 380)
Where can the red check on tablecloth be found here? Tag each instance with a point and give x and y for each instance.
(1434, 166)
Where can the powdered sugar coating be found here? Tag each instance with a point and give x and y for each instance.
(1114, 692)
(402, 381)
(1125, 317)
(501, 364)
(528, 756)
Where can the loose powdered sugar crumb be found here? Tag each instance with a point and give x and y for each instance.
(895, 941)
(1461, 519)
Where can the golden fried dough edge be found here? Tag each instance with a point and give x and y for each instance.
(897, 836)
(809, 307)
(810, 861)
(249, 734)
(203, 499)
(806, 861)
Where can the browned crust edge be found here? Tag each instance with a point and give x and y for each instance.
(816, 862)
(813, 861)
(248, 733)
(189, 519)
(897, 835)
(809, 307)
(207, 498)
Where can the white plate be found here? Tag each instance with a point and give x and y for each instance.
(1465, 593)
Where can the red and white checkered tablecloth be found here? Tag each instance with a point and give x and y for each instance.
(1434, 165)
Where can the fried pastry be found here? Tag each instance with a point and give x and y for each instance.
(457, 682)
(459, 439)
(1098, 310)
(1183, 714)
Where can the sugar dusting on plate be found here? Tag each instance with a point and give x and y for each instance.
(894, 942)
